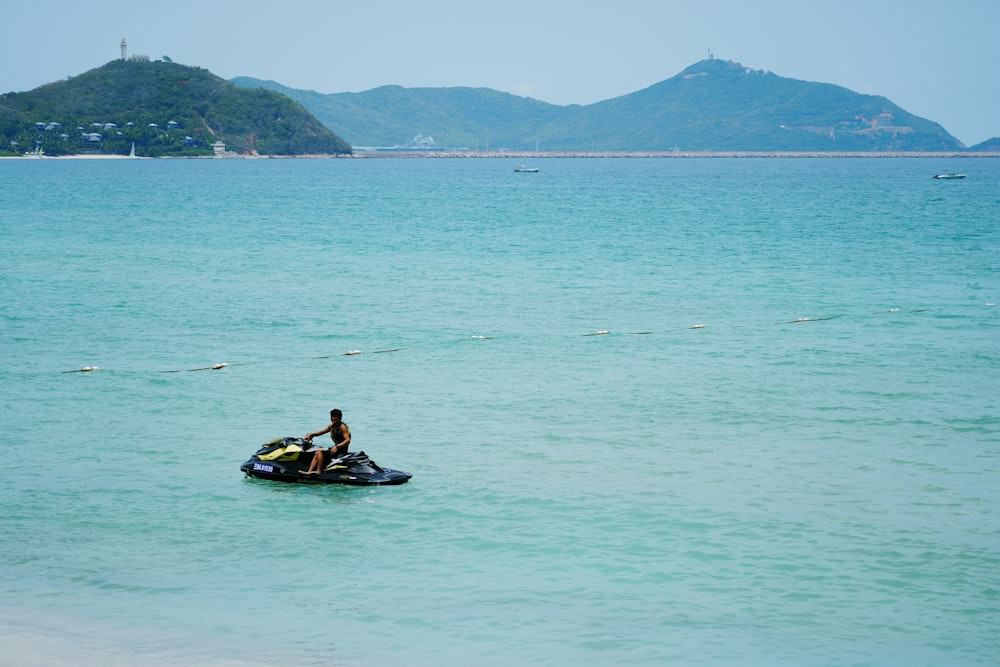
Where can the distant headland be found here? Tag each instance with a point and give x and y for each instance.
(713, 106)
(158, 109)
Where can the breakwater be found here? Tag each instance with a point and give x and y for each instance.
(532, 155)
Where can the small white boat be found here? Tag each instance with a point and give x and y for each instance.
(524, 169)
(948, 175)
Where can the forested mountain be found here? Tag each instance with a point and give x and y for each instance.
(164, 108)
(713, 105)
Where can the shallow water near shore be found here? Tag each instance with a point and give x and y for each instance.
(687, 411)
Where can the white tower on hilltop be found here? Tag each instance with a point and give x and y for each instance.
(124, 47)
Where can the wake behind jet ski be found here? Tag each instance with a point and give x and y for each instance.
(287, 460)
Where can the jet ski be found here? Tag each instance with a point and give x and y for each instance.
(287, 460)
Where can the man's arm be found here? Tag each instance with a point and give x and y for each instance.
(314, 434)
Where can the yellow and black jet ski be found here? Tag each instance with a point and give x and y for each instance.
(287, 459)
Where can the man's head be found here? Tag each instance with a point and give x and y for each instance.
(335, 415)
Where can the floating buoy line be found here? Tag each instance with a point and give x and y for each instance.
(213, 367)
(601, 332)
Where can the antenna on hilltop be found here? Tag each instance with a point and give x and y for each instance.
(710, 56)
(124, 47)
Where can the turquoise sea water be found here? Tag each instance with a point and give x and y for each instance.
(810, 478)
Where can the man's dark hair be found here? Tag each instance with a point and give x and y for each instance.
(336, 414)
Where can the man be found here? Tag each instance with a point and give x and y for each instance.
(341, 436)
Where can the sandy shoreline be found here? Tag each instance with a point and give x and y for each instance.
(31, 158)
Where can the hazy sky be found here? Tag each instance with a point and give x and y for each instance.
(938, 59)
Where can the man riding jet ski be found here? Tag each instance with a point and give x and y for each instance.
(289, 459)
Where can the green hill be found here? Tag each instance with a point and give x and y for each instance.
(165, 109)
(988, 146)
(393, 115)
(714, 105)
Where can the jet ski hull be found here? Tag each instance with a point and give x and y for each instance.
(287, 459)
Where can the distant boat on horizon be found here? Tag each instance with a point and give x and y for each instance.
(948, 175)
(524, 169)
(131, 152)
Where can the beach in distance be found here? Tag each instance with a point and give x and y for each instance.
(728, 411)
(560, 154)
